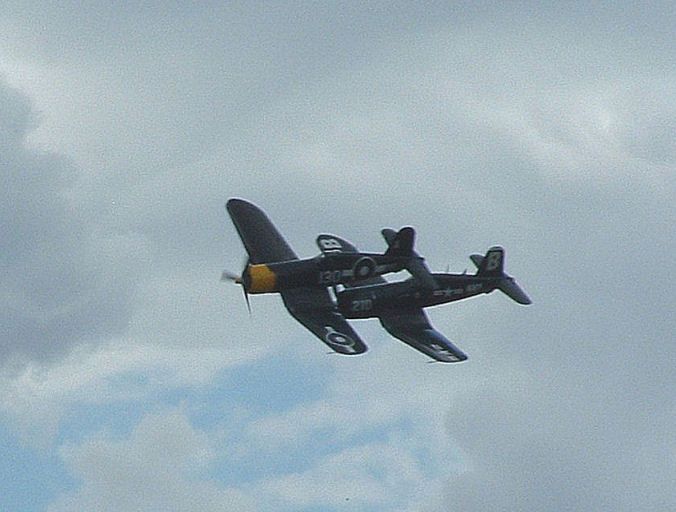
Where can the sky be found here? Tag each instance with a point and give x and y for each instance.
(131, 379)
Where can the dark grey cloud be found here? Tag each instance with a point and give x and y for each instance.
(577, 405)
(63, 282)
(563, 438)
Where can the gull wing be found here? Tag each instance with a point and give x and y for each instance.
(413, 328)
(316, 310)
(262, 241)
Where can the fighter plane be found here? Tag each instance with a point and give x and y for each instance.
(399, 306)
(273, 267)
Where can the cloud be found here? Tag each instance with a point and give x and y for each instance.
(446, 104)
(546, 130)
(159, 466)
(66, 282)
(550, 442)
(160, 354)
(378, 474)
(372, 437)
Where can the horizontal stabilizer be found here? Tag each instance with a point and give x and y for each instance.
(401, 244)
(492, 266)
(416, 265)
(514, 291)
(476, 259)
(418, 269)
(333, 243)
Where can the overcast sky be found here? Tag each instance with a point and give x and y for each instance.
(131, 379)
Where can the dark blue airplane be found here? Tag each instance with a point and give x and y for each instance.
(274, 267)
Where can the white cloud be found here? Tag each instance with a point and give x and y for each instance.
(473, 110)
(160, 466)
(380, 474)
(162, 351)
(384, 415)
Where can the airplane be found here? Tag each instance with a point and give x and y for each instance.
(397, 305)
(400, 305)
(273, 267)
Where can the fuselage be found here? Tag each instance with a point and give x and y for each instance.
(376, 300)
(321, 271)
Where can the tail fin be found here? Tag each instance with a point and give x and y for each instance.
(400, 243)
(476, 259)
(492, 265)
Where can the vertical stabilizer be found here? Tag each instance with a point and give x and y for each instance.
(492, 265)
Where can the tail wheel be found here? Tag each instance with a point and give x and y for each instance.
(364, 268)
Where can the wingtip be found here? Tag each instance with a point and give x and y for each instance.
(234, 201)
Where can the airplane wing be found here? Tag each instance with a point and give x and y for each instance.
(260, 237)
(413, 328)
(315, 309)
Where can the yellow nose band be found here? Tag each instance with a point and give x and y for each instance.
(263, 280)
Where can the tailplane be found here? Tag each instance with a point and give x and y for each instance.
(509, 287)
(492, 265)
(400, 243)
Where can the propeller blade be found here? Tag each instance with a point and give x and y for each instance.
(239, 279)
(246, 298)
(230, 276)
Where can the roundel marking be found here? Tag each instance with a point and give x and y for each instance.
(363, 268)
(338, 338)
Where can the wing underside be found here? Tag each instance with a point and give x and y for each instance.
(312, 307)
(414, 328)
(315, 309)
